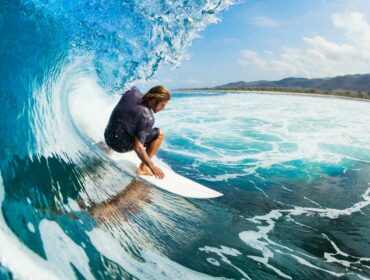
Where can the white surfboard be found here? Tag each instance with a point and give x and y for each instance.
(172, 182)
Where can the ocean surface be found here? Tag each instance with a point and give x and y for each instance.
(294, 170)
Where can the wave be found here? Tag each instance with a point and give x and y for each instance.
(53, 54)
(294, 175)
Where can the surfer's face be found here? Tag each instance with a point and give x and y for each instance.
(160, 106)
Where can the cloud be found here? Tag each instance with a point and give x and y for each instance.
(321, 57)
(265, 22)
(252, 58)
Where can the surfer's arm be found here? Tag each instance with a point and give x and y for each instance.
(143, 155)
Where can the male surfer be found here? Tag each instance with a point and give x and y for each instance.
(130, 126)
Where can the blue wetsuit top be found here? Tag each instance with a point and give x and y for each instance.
(130, 118)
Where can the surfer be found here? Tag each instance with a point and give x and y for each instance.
(130, 127)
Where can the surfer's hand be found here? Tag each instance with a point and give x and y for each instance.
(158, 173)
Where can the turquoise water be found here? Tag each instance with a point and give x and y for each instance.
(294, 170)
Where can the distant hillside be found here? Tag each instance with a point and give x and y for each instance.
(341, 83)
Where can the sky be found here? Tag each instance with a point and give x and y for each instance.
(274, 39)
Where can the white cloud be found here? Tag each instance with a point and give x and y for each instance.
(265, 22)
(321, 57)
(354, 24)
(252, 58)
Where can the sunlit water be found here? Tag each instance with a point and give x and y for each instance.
(294, 170)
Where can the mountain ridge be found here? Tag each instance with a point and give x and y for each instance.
(357, 82)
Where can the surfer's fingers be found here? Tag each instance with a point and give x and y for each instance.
(160, 174)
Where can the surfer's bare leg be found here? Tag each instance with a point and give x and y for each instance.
(151, 151)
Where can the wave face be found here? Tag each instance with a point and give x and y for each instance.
(294, 170)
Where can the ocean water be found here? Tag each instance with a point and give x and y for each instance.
(294, 170)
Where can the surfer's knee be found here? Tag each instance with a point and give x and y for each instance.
(161, 134)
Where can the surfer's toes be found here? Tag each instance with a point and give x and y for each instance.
(144, 171)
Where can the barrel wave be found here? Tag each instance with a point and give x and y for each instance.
(48, 51)
(295, 177)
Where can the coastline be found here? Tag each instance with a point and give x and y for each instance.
(275, 93)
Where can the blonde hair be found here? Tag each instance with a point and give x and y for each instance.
(159, 93)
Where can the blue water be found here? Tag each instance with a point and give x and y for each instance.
(294, 170)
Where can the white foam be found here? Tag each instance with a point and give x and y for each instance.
(18, 258)
(61, 251)
(212, 261)
(73, 205)
(287, 189)
(266, 130)
(155, 266)
(30, 227)
(260, 240)
(308, 264)
(331, 257)
(223, 252)
(313, 202)
(51, 120)
(264, 261)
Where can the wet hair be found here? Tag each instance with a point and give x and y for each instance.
(159, 93)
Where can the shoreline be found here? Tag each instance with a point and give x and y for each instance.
(275, 93)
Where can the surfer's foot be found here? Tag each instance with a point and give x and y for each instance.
(144, 170)
(109, 151)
